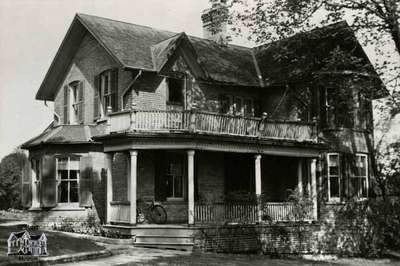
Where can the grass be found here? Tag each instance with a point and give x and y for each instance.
(57, 244)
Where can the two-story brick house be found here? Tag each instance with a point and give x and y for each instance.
(199, 125)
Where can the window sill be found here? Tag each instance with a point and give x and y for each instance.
(68, 207)
(175, 201)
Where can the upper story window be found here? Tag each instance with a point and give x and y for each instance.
(334, 173)
(67, 177)
(237, 105)
(175, 91)
(106, 93)
(359, 179)
(73, 103)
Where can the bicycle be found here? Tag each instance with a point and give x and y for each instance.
(153, 212)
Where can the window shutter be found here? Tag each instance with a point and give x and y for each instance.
(81, 99)
(114, 89)
(26, 196)
(66, 105)
(48, 188)
(96, 101)
(160, 180)
(85, 181)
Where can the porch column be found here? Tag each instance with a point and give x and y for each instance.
(109, 196)
(133, 185)
(35, 198)
(300, 176)
(190, 157)
(313, 172)
(257, 164)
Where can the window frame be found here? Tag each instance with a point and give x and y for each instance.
(59, 179)
(359, 178)
(173, 177)
(338, 176)
(106, 95)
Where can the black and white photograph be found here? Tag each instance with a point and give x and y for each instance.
(200, 132)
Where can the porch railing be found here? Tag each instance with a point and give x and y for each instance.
(120, 212)
(210, 123)
(210, 213)
(247, 213)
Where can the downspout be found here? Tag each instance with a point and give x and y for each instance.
(58, 118)
(129, 86)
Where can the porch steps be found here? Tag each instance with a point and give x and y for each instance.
(167, 237)
(180, 237)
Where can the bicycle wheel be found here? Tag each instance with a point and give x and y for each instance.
(158, 214)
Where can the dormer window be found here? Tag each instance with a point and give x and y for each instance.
(74, 103)
(106, 93)
(175, 91)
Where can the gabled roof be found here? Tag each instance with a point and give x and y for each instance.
(139, 47)
(66, 134)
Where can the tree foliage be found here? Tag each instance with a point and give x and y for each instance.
(11, 170)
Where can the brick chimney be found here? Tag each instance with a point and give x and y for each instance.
(215, 21)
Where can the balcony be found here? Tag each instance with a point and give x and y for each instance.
(211, 124)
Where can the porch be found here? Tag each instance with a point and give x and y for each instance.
(202, 187)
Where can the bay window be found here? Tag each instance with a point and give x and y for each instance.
(67, 179)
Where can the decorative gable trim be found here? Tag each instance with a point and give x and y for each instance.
(167, 52)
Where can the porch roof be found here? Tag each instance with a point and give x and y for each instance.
(65, 134)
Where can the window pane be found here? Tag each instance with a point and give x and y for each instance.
(63, 191)
(178, 186)
(73, 191)
(333, 160)
(169, 184)
(73, 174)
(363, 187)
(354, 187)
(334, 186)
(74, 164)
(238, 104)
(63, 174)
(334, 170)
(62, 163)
(175, 87)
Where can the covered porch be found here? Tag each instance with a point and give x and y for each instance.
(198, 187)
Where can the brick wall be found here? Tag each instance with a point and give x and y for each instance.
(210, 175)
(90, 60)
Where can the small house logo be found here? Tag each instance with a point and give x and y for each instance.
(24, 243)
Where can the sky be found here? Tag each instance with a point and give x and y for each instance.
(32, 31)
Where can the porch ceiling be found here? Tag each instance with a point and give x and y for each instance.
(155, 141)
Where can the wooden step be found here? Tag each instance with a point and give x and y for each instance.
(164, 239)
(188, 247)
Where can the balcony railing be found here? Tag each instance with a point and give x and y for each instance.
(210, 123)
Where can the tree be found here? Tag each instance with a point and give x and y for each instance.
(376, 21)
(11, 170)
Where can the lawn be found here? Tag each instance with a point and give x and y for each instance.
(219, 259)
(57, 243)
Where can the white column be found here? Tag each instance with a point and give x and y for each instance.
(313, 172)
(109, 196)
(35, 198)
(300, 176)
(257, 164)
(133, 185)
(190, 157)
